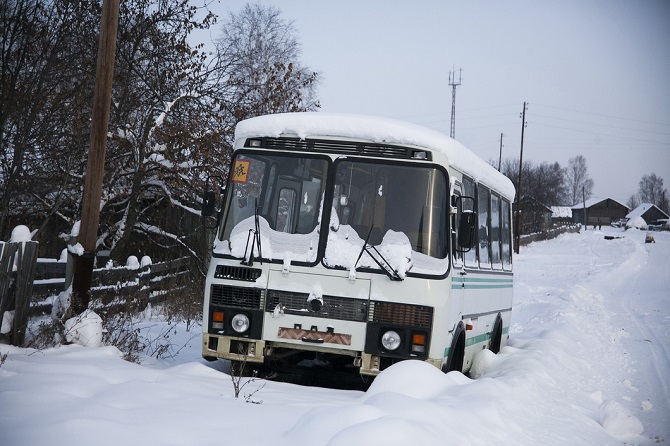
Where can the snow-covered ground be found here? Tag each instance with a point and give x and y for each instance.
(588, 364)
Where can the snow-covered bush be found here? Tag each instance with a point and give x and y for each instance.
(84, 329)
(637, 223)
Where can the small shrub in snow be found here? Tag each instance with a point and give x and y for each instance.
(241, 375)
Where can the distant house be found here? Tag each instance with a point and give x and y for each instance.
(535, 217)
(599, 211)
(649, 212)
(561, 215)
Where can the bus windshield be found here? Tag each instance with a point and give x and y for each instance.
(401, 210)
(279, 197)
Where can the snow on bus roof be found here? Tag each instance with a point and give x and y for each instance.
(378, 130)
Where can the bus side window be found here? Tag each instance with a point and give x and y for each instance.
(483, 210)
(455, 220)
(495, 231)
(469, 191)
(506, 235)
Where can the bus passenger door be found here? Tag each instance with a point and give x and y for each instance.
(457, 257)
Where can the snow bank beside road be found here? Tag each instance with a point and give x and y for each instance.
(588, 364)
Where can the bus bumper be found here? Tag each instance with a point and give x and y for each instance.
(371, 364)
(234, 349)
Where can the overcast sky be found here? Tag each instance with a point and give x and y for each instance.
(595, 74)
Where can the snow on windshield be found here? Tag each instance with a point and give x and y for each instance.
(274, 244)
(344, 247)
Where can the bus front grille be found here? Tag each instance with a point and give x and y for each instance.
(239, 297)
(237, 273)
(401, 314)
(334, 307)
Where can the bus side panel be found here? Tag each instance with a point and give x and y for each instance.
(485, 295)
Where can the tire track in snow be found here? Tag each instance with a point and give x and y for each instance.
(641, 279)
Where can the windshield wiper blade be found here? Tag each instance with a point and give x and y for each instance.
(365, 243)
(256, 242)
(386, 266)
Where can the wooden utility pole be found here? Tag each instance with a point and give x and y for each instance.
(584, 207)
(518, 189)
(90, 214)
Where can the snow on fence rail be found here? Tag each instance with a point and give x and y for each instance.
(150, 281)
(28, 285)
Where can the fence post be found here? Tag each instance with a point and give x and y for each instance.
(24, 289)
(7, 253)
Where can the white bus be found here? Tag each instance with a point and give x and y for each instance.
(357, 242)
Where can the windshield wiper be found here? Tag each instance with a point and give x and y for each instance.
(256, 242)
(386, 266)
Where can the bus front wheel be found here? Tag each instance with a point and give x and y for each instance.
(456, 352)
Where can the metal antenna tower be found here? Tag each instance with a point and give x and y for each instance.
(454, 84)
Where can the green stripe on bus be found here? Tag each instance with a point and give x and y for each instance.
(479, 279)
(480, 284)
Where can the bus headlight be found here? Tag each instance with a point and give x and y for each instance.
(391, 340)
(240, 323)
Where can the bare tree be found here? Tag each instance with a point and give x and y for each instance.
(577, 179)
(172, 118)
(633, 201)
(259, 55)
(47, 50)
(543, 182)
(651, 190)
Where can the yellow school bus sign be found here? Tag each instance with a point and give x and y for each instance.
(241, 171)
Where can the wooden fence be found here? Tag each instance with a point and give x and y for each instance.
(548, 234)
(17, 267)
(28, 284)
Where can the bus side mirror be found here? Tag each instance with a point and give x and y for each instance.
(466, 230)
(208, 203)
(208, 196)
(467, 224)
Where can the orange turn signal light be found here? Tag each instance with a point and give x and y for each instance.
(217, 316)
(419, 339)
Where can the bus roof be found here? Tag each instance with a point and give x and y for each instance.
(378, 130)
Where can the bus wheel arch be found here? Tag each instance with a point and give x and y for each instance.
(456, 351)
(496, 335)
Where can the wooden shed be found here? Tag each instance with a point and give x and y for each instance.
(599, 211)
(561, 215)
(649, 212)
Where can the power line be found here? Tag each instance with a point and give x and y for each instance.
(598, 134)
(604, 116)
(604, 125)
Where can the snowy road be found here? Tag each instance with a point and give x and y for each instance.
(615, 303)
(588, 364)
